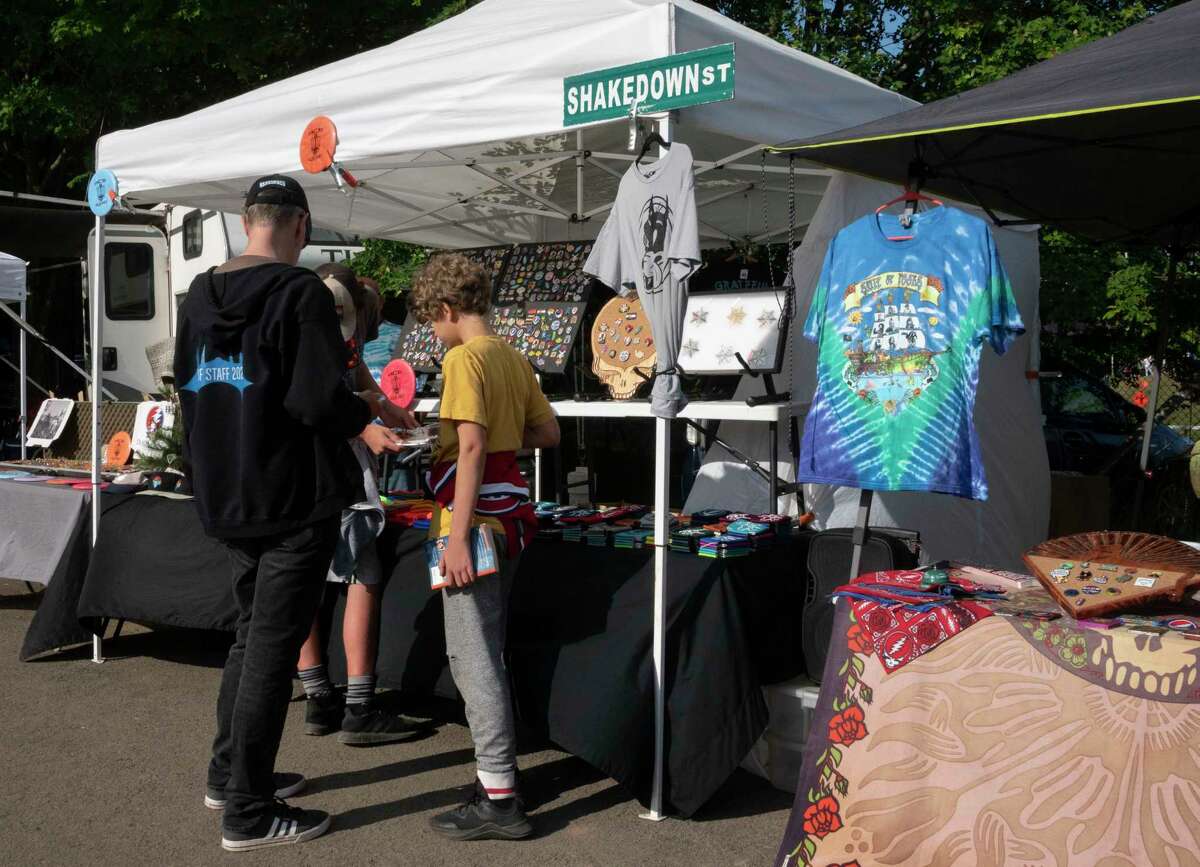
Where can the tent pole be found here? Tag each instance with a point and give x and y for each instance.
(23, 411)
(97, 291)
(579, 175)
(662, 539)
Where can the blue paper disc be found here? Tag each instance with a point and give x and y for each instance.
(102, 192)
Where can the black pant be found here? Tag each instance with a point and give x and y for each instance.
(277, 582)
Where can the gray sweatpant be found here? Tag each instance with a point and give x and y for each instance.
(476, 631)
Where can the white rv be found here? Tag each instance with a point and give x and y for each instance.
(148, 270)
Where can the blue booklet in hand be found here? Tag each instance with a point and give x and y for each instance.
(483, 555)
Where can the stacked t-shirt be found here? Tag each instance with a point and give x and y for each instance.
(650, 245)
(899, 326)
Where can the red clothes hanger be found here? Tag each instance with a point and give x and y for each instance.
(910, 197)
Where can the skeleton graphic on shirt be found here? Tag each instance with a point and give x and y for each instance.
(656, 226)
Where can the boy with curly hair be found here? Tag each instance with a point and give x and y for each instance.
(491, 406)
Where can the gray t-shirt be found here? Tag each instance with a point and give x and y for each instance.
(651, 233)
(650, 244)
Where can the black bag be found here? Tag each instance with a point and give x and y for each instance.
(829, 555)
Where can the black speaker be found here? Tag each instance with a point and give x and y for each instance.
(829, 555)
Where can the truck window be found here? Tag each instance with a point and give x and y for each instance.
(129, 281)
(193, 234)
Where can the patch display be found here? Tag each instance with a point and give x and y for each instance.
(419, 346)
(543, 333)
(493, 259)
(545, 273)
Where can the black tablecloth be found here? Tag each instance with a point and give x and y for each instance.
(55, 623)
(580, 634)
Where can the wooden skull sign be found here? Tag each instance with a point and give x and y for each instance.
(623, 352)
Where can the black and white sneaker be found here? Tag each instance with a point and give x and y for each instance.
(363, 725)
(322, 714)
(481, 818)
(286, 785)
(279, 826)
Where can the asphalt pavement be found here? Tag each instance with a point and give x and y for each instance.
(104, 764)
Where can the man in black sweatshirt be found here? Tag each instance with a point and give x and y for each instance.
(258, 362)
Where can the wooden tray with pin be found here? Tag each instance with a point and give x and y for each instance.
(1102, 573)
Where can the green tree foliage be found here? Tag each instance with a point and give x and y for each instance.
(1102, 303)
(77, 68)
(393, 264)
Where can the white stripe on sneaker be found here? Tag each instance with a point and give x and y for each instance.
(274, 825)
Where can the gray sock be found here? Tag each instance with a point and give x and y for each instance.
(360, 689)
(315, 681)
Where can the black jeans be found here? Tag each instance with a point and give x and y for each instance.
(277, 582)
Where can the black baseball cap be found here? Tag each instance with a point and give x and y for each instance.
(277, 190)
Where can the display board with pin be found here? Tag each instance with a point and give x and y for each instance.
(720, 326)
(1096, 574)
(545, 273)
(543, 333)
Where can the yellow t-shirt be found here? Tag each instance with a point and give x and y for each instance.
(487, 382)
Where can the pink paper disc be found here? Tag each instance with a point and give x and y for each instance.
(399, 382)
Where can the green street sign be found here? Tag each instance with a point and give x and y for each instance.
(662, 84)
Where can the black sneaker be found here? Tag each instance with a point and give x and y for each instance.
(322, 714)
(279, 826)
(286, 785)
(363, 725)
(481, 818)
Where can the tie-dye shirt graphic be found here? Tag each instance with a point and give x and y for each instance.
(899, 326)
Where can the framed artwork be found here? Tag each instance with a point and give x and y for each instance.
(719, 326)
(50, 421)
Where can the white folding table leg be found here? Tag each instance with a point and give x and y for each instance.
(662, 475)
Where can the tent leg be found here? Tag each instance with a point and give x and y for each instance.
(23, 409)
(773, 485)
(865, 499)
(662, 474)
(97, 291)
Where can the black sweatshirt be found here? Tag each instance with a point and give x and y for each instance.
(259, 365)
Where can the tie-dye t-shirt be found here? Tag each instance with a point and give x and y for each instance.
(899, 327)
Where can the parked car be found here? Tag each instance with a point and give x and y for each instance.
(1090, 428)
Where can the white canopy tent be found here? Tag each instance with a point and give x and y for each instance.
(457, 136)
(457, 131)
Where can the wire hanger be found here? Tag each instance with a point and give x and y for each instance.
(911, 196)
(652, 139)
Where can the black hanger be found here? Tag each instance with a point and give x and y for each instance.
(652, 139)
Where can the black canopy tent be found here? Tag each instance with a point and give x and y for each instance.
(1103, 141)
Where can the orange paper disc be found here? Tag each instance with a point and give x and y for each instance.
(317, 144)
(118, 449)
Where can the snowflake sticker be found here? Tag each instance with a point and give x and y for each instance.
(737, 315)
(699, 317)
(690, 348)
(725, 355)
